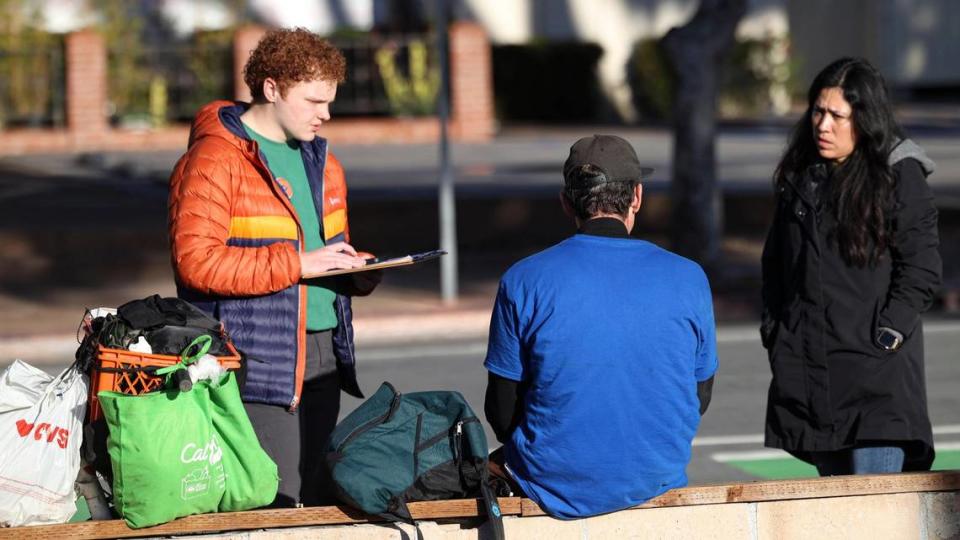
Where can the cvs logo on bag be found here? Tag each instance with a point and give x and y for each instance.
(44, 430)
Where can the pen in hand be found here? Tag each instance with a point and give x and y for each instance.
(368, 258)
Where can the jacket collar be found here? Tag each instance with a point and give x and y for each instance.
(222, 119)
(604, 226)
(800, 183)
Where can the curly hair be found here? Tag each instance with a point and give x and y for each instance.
(289, 56)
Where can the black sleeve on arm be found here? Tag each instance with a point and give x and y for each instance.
(502, 405)
(704, 393)
(917, 267)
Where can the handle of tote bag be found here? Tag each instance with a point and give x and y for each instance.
(177, 373)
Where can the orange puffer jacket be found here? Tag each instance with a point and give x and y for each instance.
(235, 241)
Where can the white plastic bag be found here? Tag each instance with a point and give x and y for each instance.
(41, 420)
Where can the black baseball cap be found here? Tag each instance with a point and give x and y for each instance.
(611, 158)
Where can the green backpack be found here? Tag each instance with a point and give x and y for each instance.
(425, 446)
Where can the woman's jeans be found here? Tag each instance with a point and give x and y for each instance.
(862, 460)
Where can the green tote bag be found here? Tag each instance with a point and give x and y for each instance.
(166, 457)
(251, 475)
(180, 453)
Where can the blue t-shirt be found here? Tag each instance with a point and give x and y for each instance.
(612, 336)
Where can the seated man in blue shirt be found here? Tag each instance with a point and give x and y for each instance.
(602, 351)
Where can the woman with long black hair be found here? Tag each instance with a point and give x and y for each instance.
(849, 265)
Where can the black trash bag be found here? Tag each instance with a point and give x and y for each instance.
(170, 324)
(154, 312)
(174, 339)
(109, 331)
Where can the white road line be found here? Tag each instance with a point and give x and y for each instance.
(423, 351)
(757, 438)
(728, 440)
(949, 429)
(752, 455)
(725, 335)
(738, 334)
(946, 445)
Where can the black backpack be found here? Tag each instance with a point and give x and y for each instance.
(394, 449)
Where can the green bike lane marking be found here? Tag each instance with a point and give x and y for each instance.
(778, 465)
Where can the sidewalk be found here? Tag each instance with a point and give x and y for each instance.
(46, 333)
(405, 309)
(529, 155)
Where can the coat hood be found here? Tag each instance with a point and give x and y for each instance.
(906, 148)
(221, 119)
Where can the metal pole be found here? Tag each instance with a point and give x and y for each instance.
(446, 196)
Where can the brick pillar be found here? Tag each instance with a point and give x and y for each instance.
(471, 83)
(86, 77)
(244, 42)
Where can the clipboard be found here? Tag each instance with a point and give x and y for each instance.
(378, 263)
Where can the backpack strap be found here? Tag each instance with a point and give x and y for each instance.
(400, 511)
(492, 506)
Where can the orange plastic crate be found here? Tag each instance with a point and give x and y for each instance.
(122, 371)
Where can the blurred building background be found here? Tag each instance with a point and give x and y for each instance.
(780, 42)
(552, 61)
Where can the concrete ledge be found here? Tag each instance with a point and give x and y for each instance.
(915, 505)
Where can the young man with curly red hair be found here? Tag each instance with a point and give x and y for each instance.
(257, 203)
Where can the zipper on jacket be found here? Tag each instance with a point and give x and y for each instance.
(301, 355)
(299, 364)
(382, 419)
(323, 194)
(300, 359)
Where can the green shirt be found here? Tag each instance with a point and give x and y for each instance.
(286, 164)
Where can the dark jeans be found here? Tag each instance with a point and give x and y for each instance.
(872, 458)
(296, 441)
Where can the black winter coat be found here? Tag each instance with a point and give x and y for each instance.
(833, 386)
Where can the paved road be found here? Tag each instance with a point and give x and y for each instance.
(732, 428)
(516, 160)
(91, 230)
(734, 423)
